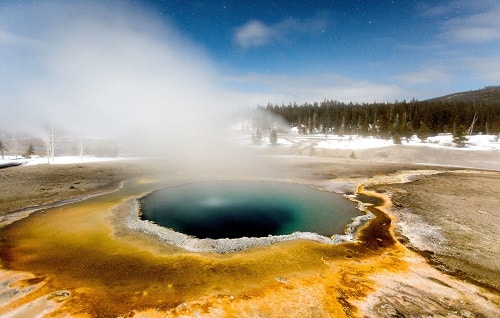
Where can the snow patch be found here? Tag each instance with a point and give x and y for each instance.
(356, 142)
(36, 160)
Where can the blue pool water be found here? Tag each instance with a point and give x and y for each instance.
(232, 209)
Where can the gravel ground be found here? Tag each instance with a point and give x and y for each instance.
(450, 217)
(29, 186)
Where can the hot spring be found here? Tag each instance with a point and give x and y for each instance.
(235, 209)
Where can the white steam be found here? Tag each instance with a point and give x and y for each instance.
(105, 70)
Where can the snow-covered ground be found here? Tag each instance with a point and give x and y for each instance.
(352, 142)
(355, 142)
(476, 142)
(36, 160)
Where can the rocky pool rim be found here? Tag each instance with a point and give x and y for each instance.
(133, 221)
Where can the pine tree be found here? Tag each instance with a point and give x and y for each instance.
(29, 152)
(396, 139)
(459, 138)
(423, 132)
(273, 137)
(381, 119)
(257, 137)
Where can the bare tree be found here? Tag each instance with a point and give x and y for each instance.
(50, 145)
(16, 144)
(81, 148)
(2, 149)
(471, 127)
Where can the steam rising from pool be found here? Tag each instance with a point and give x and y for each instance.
(109, 70)
(235, 209)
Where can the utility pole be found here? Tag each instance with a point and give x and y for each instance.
(81, 148)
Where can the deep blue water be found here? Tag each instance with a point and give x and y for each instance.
(232, 209)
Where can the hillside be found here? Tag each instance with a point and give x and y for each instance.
(489, 95)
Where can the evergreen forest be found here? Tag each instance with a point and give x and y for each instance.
(385, 120)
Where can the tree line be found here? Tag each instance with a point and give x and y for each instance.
(385, 120)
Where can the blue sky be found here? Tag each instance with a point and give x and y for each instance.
(77, 58)
(417, 49)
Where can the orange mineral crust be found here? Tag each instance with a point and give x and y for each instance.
(81, 259)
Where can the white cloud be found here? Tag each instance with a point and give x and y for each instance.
(9, 39)
(478, 27)
(285, 89)
(487, 69)
(453, 7)
(425, 76)
(465, 48)
(254, 33)
(475, 34)
(419, 47)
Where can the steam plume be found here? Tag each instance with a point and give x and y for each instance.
(95, 69)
